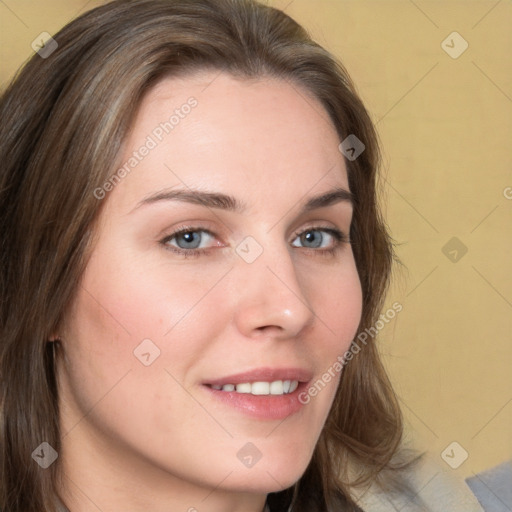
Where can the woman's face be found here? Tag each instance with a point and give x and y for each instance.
(255, 289)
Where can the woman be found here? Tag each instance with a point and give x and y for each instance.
(192, 249)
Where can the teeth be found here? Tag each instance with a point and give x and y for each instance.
(243, 388)
(260, 388)
(277, 387)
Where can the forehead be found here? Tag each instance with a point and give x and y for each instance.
(215, 131)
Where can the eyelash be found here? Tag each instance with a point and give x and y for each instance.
(339, 236)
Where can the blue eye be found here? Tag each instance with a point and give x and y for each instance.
(313, 238)
(320, 240)
(191, 241)
(187, 240)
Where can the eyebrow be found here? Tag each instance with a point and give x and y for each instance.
(218, 200)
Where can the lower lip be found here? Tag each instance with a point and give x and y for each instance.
(263, 407)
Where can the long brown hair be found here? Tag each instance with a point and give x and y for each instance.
(64, 118)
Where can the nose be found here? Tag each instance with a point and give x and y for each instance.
(271, 299)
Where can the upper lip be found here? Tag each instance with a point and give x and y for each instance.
(264, 375)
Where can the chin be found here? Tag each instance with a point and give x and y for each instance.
(261, 484)
(272, 475)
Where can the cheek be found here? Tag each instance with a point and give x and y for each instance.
(336, 297)
(126, 315)
(116, 311)
(338, 306)
(128, 300)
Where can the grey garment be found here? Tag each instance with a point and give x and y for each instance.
(430, 486)
(493, 488)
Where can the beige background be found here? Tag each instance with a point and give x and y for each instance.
(446, 127)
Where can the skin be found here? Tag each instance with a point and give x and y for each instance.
(140, 438)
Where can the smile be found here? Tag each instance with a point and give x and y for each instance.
(276, 387)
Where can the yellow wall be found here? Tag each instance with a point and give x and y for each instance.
(446, 127)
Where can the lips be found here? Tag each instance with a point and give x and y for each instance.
(263, 393)
(263, 375)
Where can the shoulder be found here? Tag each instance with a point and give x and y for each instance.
(493, 487)
(425, 486)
